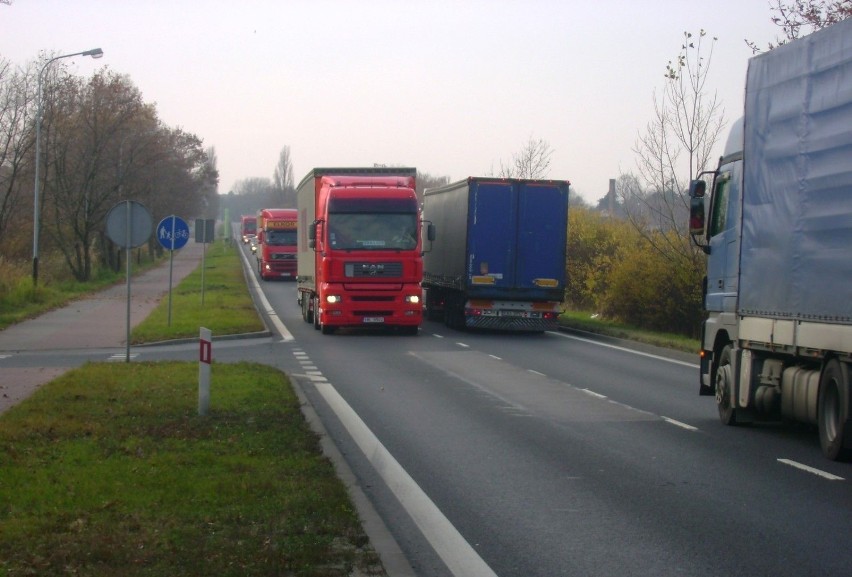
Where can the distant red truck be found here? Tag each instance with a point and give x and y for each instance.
(360, 250)
(248, 227)
(276, 238)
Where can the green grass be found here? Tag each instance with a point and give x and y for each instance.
(227, 308)
(585, 321)
(109, 470)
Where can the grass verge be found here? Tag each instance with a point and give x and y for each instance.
(109, 470)
(20, 300)
(227, 308)
(585, 321)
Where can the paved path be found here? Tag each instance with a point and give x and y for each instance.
(95, 322)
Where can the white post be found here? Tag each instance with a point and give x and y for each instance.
(204, 359)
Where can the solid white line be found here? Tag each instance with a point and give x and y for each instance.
(818, 472)
(454, 550)
(535, 372)
(273, 316)
(624, 349)
(594, 394)
(679, 424)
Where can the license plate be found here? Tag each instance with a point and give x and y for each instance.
(512, 313)
(374, 319)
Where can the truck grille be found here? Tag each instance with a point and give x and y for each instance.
(373, 269)
(283, 256)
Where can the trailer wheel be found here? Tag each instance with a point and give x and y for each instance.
(833, 412)
(724, 385)
(307, 312)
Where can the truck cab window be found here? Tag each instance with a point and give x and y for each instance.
(719, 210)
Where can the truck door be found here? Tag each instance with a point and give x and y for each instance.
(724, 233)
(542, 231)
(491, 236)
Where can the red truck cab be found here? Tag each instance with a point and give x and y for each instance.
(360, 253)
(276, 236)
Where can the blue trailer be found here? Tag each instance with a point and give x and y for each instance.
(498, 261)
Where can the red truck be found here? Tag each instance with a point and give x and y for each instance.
(248, 227)
(360, 250)
(276, 237)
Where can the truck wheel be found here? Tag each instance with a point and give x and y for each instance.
(724, 386)
(833, 412)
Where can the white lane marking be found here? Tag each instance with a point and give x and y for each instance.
(680, 424)
(437, 336)
(624, 349)
(594, 394)
(818, 472)
(121, 357)
(454, 550)
(533, 371)
(495, 357)
(464, 346)
(273, 316)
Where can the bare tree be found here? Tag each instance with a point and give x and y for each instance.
(677, 143)
(282, 180)
(16, 142)
(798, 18)
(532, 161)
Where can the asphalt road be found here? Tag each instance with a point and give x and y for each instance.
(555, 454)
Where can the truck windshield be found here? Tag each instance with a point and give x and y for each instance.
(281, 237)
(372, 231)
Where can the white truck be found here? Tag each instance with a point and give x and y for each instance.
(777, 341)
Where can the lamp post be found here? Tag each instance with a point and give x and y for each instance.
(94, 53)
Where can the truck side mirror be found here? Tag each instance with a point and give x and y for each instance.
(312, 235)
(430, 232)
(697, 189)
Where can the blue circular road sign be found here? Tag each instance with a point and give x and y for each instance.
(173, 232)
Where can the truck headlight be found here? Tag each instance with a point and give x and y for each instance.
(333, 299)
(413, 299)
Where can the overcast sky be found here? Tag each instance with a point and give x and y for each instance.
(450, 87)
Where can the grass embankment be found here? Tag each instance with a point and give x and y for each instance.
(585, 322)
(109, 470)
(227, 307)
(20, 299)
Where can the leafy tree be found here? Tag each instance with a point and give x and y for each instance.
(595, 245)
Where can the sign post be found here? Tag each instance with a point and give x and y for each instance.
(173, 233)
(205, 357)
(128, 226)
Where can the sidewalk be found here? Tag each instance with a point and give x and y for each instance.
(95, 322)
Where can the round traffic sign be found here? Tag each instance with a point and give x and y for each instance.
(129, 224)
(173, 232)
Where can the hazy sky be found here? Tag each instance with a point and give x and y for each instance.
(450, 87)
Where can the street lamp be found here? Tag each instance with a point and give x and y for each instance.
(94, 53)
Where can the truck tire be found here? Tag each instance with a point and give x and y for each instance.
(833, 412)
(724, 381)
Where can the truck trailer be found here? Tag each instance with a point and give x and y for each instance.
(499, 260)
(359, 249)
(777, 339)
(276, 243)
